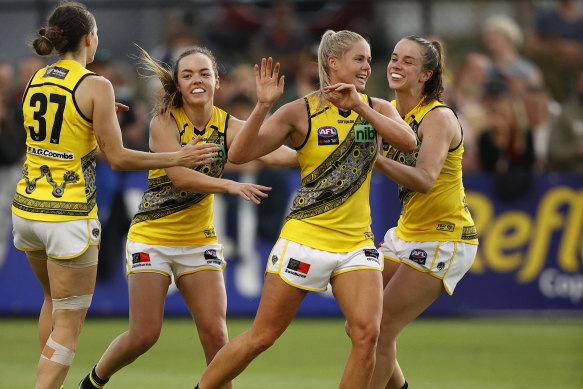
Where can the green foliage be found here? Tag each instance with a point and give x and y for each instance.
(434, 353)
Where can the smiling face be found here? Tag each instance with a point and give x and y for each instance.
(196, 79)
(353, 67)
(405, 70)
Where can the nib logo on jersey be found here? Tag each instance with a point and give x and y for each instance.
(297, 268)
(211, 256)
(140, 260)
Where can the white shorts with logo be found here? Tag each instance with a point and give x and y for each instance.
(60, 240)
(173, 260)
(312, 269)
(446, 260)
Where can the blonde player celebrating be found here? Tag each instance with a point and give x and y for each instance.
(67, 112)
(435, 241)
(172, 234)
(326, 236)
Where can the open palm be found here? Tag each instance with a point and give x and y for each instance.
(269, 84)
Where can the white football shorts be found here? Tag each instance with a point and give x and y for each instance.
(312, 269)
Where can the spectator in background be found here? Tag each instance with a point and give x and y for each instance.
(236, 81)
(506, 146)
(556, 44)
(306, 79)
(6, 77)
(566, 140)
(540, 110)
(12, 146)
(282, 36)
(464, 95)
(502, 38)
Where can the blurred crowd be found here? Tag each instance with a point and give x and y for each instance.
(518, 94)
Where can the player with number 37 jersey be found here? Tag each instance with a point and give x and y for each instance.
(58, 177)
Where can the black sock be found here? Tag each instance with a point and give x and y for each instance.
(99, 381)
(405, 386)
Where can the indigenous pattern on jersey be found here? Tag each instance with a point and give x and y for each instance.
(441, 214)
(171, 216)
(58, 176)
(331, 208)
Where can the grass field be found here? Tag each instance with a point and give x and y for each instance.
(434, 353)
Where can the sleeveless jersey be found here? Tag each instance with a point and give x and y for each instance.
(441, 214)
(58, 176)
(174, 217)
(331, 208)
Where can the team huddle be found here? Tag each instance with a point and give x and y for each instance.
(337, 134)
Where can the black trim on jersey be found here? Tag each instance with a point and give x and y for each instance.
(196, 131)
(53, 84)
(178, 128)
(343, 113)
(461, 129)
(75, 100)
(309, 125)
(28, 86)
(455, 114)
(225, 133)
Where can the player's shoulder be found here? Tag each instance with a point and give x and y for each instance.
(95, 84)
(165, 119)
(295, 109)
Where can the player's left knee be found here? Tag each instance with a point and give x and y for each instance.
(73, 302)
(56, 352)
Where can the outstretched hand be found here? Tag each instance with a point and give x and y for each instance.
(269, 84)
(250, 192)
(344, 96)
(195, 154)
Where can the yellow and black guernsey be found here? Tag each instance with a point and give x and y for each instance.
(174, 217)
(331, 209)
(58, 176)
(441, 214)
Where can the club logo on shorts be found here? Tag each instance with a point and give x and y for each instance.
(297, 268)
(418, 256)
(140, 259)
(371, 255)
(95, 232)
(327, 135)
(210, 254)
(440, 266)
(274, 259)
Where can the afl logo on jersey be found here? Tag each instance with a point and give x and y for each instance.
(327, 135)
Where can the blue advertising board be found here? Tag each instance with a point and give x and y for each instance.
(530, 257)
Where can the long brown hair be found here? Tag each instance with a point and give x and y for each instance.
(168, 76)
